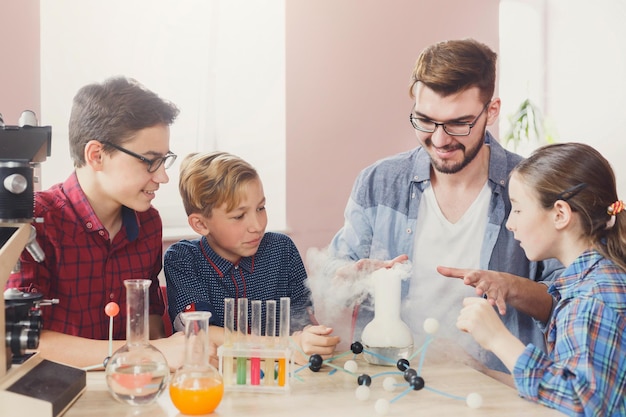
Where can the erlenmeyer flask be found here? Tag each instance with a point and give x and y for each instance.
(137, 373)
(197, 386)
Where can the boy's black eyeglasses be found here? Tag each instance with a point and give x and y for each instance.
(451, 128)
(153, 164)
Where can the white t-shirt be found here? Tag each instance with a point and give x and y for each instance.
(440, 242)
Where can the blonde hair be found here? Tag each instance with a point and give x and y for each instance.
(208, 180)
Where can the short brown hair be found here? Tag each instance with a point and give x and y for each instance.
(456, 65)
(114, 111)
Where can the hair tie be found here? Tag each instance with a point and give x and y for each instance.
(615, 208)
(612, 210)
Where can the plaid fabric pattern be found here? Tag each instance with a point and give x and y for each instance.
(584, 373)
(83, 268)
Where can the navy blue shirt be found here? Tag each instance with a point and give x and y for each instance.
(199, 279)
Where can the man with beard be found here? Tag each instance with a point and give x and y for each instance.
(443, 207)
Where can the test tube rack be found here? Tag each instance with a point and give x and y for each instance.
(238, 362)
(255, 362)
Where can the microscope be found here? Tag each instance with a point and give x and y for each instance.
(29, 384)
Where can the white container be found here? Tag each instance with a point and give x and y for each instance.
(387, 336)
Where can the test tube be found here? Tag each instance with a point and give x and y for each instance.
(229, 335)
(285, 314)
(242, 334)
(270, 339)
(283, 336)
(255, 330)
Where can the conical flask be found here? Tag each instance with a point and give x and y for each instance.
(137, 373)
(197, 386)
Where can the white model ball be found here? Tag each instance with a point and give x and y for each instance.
(382, 407)
(431, 325)
(474, 400)
(351, 366)
(363, 393)
(389, 384)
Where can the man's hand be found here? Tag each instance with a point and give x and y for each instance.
(368, 266)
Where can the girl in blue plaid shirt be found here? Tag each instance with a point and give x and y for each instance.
(565, 206)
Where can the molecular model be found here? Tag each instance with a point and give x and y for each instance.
(412, 377)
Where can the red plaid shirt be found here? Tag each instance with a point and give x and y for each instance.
(83, 268)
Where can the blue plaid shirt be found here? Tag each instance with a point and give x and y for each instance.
(585, 371)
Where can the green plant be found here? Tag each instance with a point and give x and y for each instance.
(527, 126)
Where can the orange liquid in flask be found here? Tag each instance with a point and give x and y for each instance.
(197, 396)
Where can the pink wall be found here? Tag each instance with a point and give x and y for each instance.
(348, 68)
(19, 59)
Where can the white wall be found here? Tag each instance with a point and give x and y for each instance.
(221, 62)
(569, 58)
(586, 85)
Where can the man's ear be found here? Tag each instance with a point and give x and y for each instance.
(198, 223)
(493, 111)
(93, 154)
(562, 214)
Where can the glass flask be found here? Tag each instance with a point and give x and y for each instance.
(137, 373)
(197, 386)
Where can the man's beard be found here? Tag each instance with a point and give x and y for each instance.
(469, 156)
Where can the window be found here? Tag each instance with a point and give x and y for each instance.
(521, 58)
(221, 62)
(569, 57)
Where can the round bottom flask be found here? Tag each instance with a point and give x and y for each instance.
(137, 373)
(197, 387)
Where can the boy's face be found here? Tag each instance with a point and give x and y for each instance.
(126, 179)
(237, 233)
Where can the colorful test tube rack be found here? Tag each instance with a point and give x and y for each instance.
(251, 361)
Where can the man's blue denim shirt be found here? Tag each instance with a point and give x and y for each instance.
(381, 216)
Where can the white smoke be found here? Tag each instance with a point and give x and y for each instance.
(337, 287)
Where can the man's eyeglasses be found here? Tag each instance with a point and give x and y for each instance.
(451, 128)
(153, 164)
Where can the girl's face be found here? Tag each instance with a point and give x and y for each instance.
(531, 224)
(237, 233)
